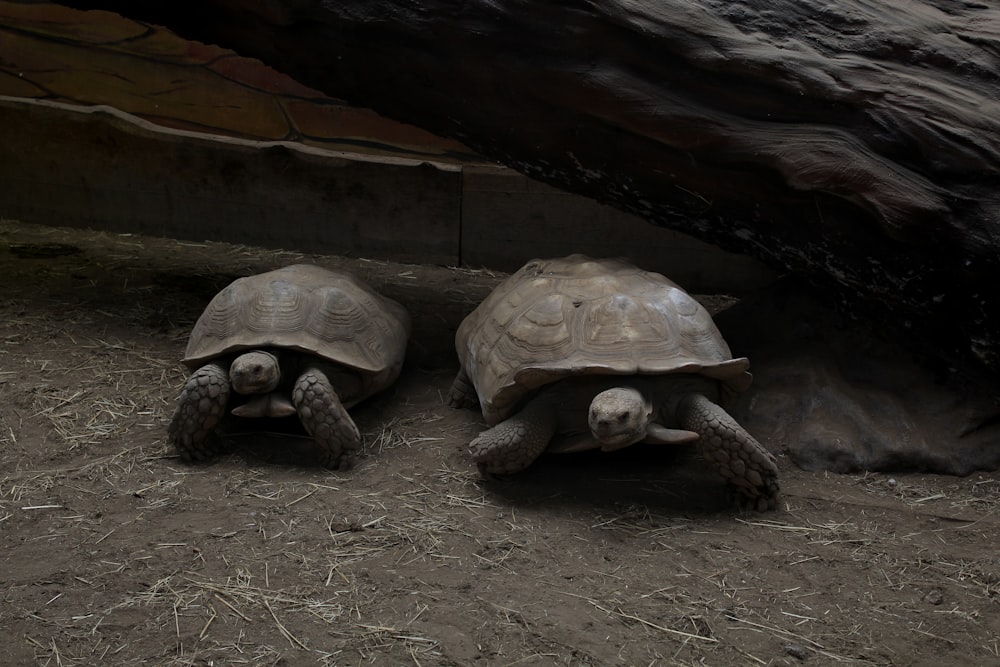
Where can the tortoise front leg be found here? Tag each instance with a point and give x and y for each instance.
(326, 419)
(200, 407)
(747, 467)
(513, 444)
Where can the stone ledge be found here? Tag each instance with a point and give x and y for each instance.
(102, 168)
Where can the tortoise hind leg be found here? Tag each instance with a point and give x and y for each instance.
(462, 393)
(200, 407)
(326, 419)
(747, 467)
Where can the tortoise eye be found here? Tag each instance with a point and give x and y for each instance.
(623, 417)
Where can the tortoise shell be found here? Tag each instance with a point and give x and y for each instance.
(312, 310)
(558, 318)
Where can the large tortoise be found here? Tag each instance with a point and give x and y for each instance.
(299, 340)
(603, 355)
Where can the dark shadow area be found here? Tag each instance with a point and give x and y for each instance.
(636, 480)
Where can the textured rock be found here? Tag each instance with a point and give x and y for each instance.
(856, 144)
(354, 181)
(50, 52)
(839, 395)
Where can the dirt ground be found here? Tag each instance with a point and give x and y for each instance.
(115, 552)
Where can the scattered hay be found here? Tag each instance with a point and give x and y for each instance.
(119, 554)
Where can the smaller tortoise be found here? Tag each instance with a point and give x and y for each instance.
(299, 340)
(603, 355)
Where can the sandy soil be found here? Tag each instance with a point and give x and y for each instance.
(114, 552)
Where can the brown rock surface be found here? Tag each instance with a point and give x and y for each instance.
(854, 144)
(52, 52)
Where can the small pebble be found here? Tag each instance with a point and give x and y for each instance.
(891, 483)
(796, 651)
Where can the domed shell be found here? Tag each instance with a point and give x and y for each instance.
(306, 308)
(572, 316)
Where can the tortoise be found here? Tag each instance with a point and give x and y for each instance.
(575, 353)
(299, 340)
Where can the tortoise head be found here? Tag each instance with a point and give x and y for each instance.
(255, 372)
(618, 417)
